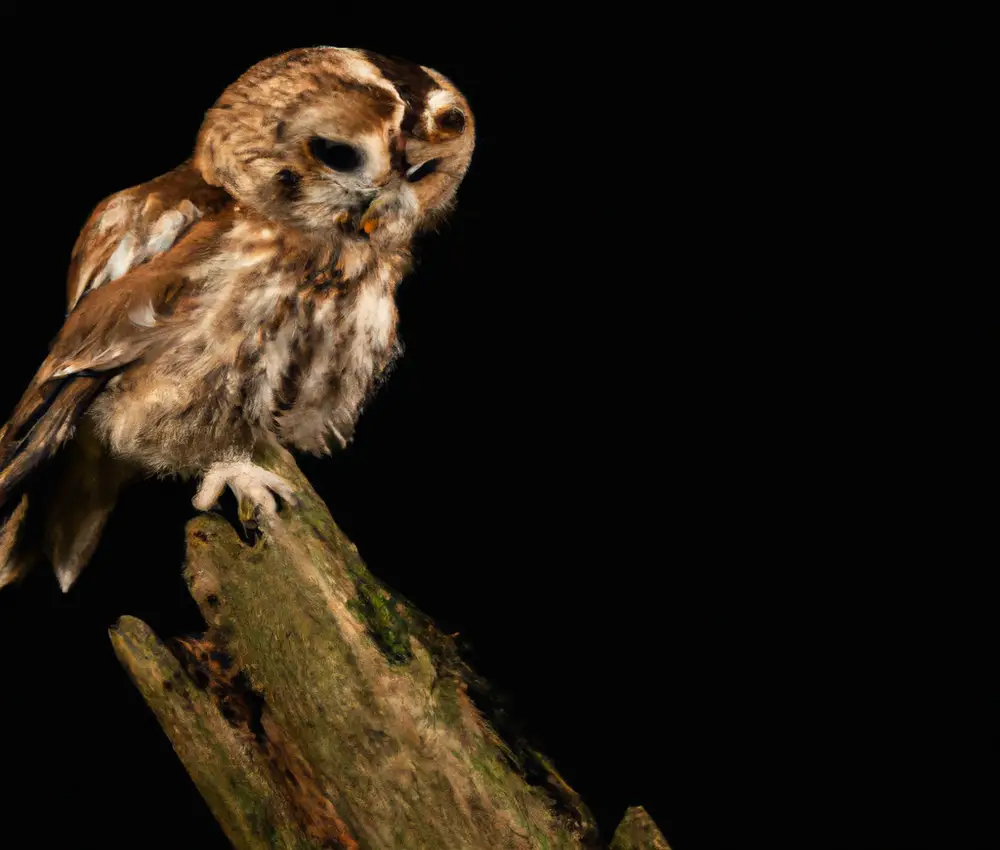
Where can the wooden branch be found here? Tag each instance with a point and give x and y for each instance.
(322, 710)
(638, 832)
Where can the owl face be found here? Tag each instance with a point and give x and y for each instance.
(340, 144)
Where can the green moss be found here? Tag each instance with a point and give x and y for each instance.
(383, 612)
(637, 831)
(376, 609)
(447, 702)
(272, 605)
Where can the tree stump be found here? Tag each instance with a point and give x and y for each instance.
(321, 709)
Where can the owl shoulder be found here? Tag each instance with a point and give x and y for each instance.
(130, 227)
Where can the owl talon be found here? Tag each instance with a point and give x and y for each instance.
(254, 487)
(248, 513)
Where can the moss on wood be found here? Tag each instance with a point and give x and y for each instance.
(235, 785)
(638, 832)
(340, 716)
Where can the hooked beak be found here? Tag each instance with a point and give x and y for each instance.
(373, 215)
(363, 220)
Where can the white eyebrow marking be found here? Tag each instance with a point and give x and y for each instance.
(438, 99)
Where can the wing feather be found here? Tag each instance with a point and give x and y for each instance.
(117, 323)
(131, 227)
(123, 319)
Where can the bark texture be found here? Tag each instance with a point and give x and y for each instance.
(638, 832)
(320, 709)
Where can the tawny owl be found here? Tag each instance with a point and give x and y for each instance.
(245, 297)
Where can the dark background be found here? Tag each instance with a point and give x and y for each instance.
(640, 451)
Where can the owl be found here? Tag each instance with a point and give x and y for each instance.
(246, 297)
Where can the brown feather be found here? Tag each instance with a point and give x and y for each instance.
(16, 559)
(205, 320)
(102, 334)
(135, 212)
(52, 427)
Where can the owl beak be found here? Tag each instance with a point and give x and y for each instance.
(372, 217)
(362, 220)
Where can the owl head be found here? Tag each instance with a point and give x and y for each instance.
(339, 143)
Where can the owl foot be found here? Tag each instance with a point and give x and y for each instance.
(253, 486)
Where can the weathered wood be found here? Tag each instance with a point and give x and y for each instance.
(229, 774)
(638, 832)
(323, 710)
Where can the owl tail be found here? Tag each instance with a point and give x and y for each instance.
(42, 422)
(17, 555)
(54, 508)
(78, 507)
(60, 519)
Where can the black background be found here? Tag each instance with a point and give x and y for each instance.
(639, 451)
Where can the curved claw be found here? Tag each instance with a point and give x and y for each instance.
(253, 486)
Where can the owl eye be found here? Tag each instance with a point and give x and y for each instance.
(337, 155)
(452, 120)
(419, 172)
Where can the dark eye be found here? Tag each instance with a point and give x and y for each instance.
(337, 155)
(419, 172)
(452, 120)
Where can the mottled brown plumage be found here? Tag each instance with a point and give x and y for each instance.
(246, 296)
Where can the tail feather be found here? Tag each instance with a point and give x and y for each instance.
(30, 408)
(16, 558)
(61, 515)
(42, 422)
(85, 489)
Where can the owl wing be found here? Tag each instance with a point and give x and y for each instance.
(132, 226)
(116, 324)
